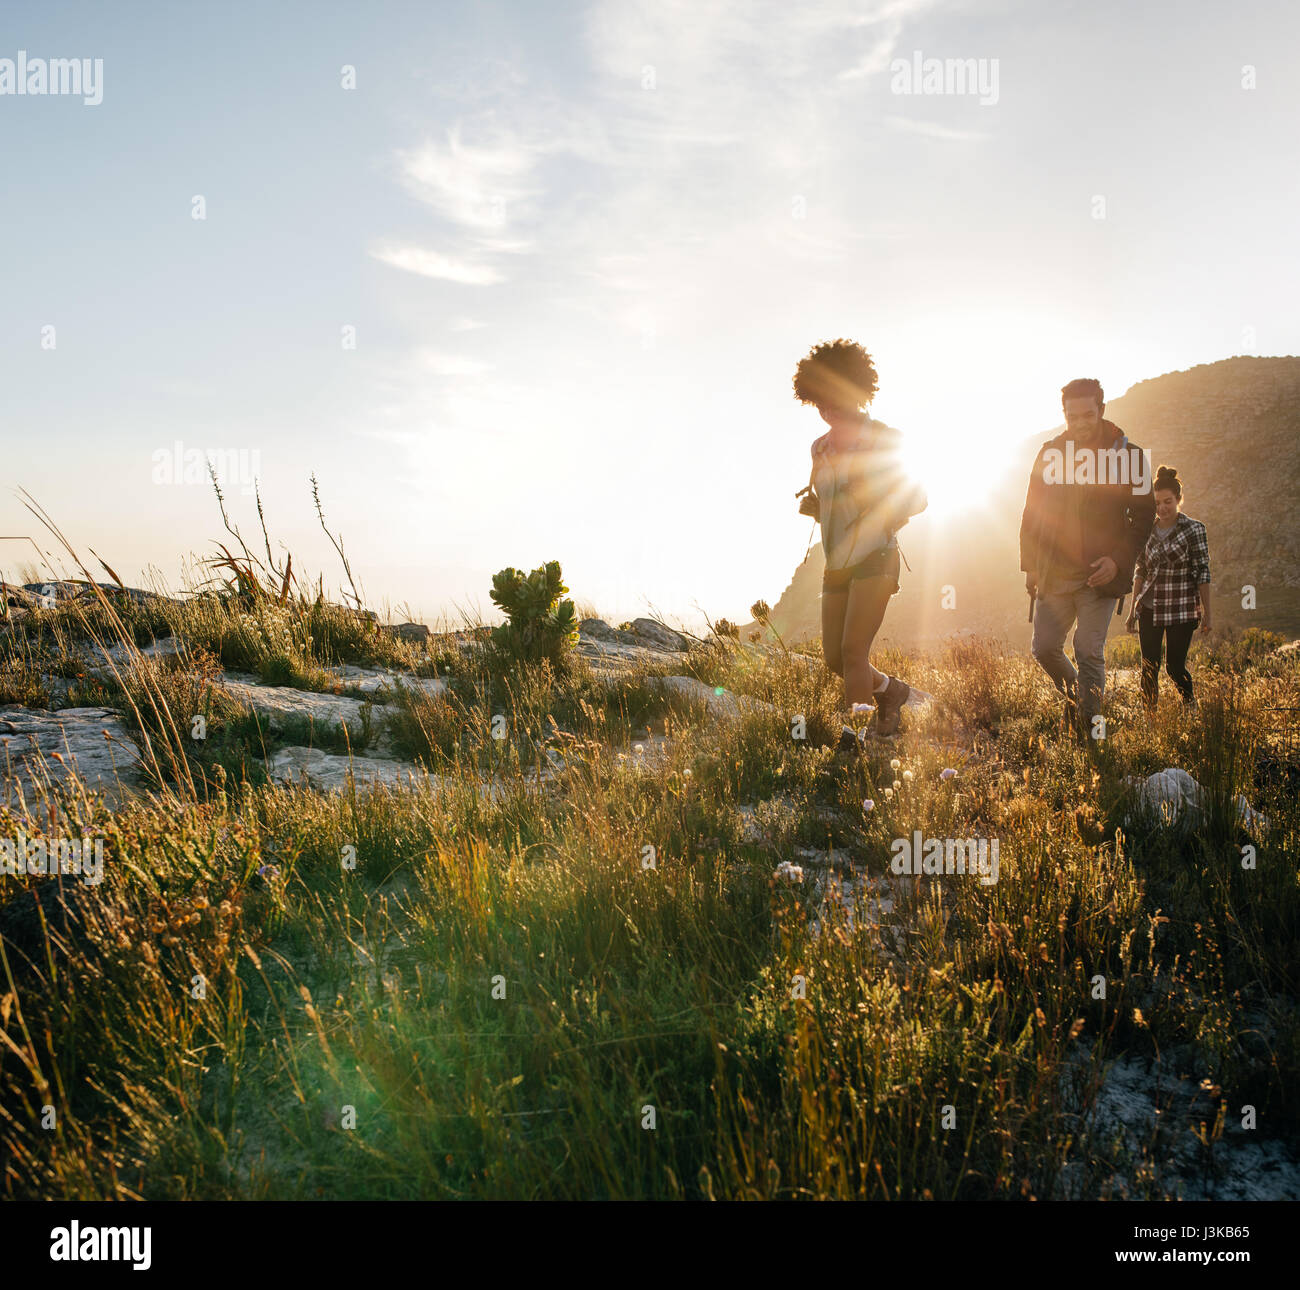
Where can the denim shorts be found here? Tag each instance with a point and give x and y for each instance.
(879, 564)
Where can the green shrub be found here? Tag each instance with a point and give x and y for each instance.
(540, 625)
(1124, 651)
(1237, 651)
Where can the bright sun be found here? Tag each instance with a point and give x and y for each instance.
(963, 407)
(958, 471)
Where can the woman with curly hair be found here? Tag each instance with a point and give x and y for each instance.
(861, 497)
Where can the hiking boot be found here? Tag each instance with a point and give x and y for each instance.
(889, 707)
(850, 745)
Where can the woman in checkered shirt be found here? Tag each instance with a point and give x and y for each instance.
(1171, 588)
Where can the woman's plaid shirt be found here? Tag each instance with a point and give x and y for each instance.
(1169, 570)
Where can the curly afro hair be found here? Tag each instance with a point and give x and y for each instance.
(836, 374)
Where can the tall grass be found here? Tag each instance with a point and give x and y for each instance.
(436, 991)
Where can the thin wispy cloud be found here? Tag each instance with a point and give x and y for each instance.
(933, 130)
(890, 17)
(470, 185)
(438, 364)
(679, 92)
(434, 264)
(645, 196)
(481, 193)
(506, 245)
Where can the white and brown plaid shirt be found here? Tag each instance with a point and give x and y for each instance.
(1173, 564)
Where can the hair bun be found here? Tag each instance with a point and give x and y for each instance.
(1167, 480)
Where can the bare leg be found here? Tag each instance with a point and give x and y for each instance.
(868, 599)
(834, 604)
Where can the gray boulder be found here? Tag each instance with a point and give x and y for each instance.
(20, 597)
(279, 704)
(644, 632)
(649, 632)
(70, 589)
(597, 629)
(37, 745)
(415, 633)
(330, 771)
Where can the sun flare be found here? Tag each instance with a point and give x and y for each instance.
(959, 473)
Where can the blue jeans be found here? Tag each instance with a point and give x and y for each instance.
(1054, 615)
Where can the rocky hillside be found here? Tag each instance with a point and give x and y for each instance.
(1230, 428)
(54, 736)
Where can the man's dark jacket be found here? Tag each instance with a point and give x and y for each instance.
(1116, 518)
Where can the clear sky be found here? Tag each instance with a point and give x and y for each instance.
(583, 247)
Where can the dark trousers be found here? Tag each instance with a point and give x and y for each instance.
(1177, 637)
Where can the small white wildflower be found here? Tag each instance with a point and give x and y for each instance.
(947, 773)
(868, 805)
(889, 792)
(907, 776)
(687, 773)
(789, 872)
(898, 783)
(895, 764)
(640, 748)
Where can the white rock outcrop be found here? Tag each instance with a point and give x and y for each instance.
(279, 703)
(328, 771)
(39, 747)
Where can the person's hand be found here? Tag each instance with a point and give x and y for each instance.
(1104, 571)
(1205, 623)
(1131, 623)
(1031, 583)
